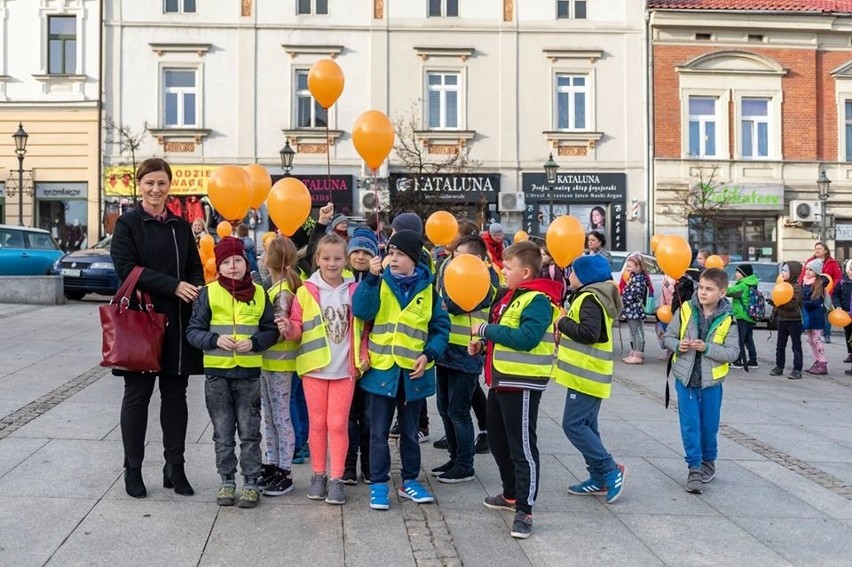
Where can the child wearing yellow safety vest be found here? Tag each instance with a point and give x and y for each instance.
(584, 366)
(409, 332)
(704, 339)
(457, 372)
(519, 345)
(232, 322)
(329, 362)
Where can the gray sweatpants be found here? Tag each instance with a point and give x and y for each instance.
(637, 333)
(234, 403)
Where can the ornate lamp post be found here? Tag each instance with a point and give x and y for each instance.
(287, 153)
(823, 184)
(551, 168)
(20, 150)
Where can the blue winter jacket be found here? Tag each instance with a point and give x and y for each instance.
(365, 306)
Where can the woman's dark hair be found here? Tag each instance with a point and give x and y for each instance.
(151, 165)
(592, 212)
(597, 234)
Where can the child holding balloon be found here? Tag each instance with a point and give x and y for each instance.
(841, 297)
(789, 316)
(814, 303)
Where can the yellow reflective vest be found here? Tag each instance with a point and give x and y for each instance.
(399, 335)
(533, 365)
(720, 332)
(280, 357)
(235, 319)
(314, 349)
(585, 368)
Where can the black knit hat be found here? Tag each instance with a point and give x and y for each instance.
(746, 270)
(408, 242)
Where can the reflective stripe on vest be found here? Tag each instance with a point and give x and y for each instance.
(314, 351)
(399, 335)
(235, 319)
(585, 368)
(461, 324)
(536, 363)
(718, 369)
(280, 357)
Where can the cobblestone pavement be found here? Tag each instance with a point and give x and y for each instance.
(781, 497)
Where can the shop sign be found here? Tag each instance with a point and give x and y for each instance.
(843, 232)
(448, 187)
(61, 191)
(750, 196)
(337, 188)
(186, 180)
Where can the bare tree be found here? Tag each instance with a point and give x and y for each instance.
(703, 203)
(129, 141)
(419, 162)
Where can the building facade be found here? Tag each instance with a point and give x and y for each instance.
(50, 84)
(486, 88)
(750, 108)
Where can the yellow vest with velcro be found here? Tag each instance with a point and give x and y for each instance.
(314, 348)
(235, 319)
(399, 335)
(536, 363)
(585, 368)
(280, 357)
(720, 332)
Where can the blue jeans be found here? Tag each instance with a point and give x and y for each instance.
(699, 410)
(234, 403)
(299, 411)
(455, 396)
(580, 424)
(381, 416)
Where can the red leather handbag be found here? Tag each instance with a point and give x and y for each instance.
(132, 338)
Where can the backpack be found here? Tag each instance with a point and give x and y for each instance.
(756, 306)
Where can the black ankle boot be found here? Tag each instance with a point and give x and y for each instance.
(175, 477)
(133, 483)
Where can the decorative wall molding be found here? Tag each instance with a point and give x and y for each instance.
(164, 135)
(557, 53)
(311, 148)
(425, 52)
(312, 136)
(560, 139)
(508, 10)
(294, 51)
(179, 147)
(378, 9)
(245, 8)
(198, 48)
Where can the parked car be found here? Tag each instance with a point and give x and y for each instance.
(617, 265)
(88, 271)
(767, 274)
(26, 251)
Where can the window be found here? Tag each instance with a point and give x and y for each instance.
(703, 36)
(848, 130)
(571, 97)
(443, 92)
(180, 98)
(308, 7)
(61, 45)
(571, 9)
(702, 126)
(755, 127)
(309, 114)
(443, 8)
(179, 7)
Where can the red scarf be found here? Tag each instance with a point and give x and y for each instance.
(242, 290)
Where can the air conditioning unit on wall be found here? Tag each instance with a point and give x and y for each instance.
(370, 200)
(512, 202)
(805, 211)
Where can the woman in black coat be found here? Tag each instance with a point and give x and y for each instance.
(162, 243)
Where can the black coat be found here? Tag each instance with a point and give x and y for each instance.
(169, 255)
(841, 295)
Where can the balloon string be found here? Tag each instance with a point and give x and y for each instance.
(328, 153)
(378, 204)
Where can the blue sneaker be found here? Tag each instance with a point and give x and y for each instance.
(614, 484)
(588, 486)
(415, 492)
(379, 496)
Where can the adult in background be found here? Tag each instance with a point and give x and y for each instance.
(830, 268)
(596, 244)
(493, 239)
(161, 243)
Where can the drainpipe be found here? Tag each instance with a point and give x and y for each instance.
(649, 132)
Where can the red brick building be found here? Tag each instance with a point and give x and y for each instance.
(752, 100)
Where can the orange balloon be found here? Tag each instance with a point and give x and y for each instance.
(373, 137)
(289, 204)
(565, 239)
(714, 262)
(210, 265)
(260, 182)
(830, 285)
(673, 255)
(466, 281)
(779, 279)
(224, 229)
(325, 81)
(655, 240)
(839, 318)
(441, 228)
(228, 189)
(206, 243)
(782, 293)
(664, 313)
(520, 236)
(267, 236)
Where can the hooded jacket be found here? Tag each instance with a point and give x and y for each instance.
(591, 328)
(841, 295)
(495, 249)
(738, 294)
(792, 310)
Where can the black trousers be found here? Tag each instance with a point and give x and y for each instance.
(512, 418)
(138, 389)
(480, 405)
(359, 432)
(793, 330)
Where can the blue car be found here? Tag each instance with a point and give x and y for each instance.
(88, 271)
(26, 251)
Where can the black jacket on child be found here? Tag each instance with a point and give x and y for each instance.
(792, 310)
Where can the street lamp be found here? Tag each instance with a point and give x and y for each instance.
(287, 153)
(823, 184)
(20, 150)
(551, 168)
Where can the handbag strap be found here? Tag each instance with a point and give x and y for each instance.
(122, 296)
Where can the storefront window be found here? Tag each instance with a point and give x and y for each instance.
(743, 239)
(61, 209)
